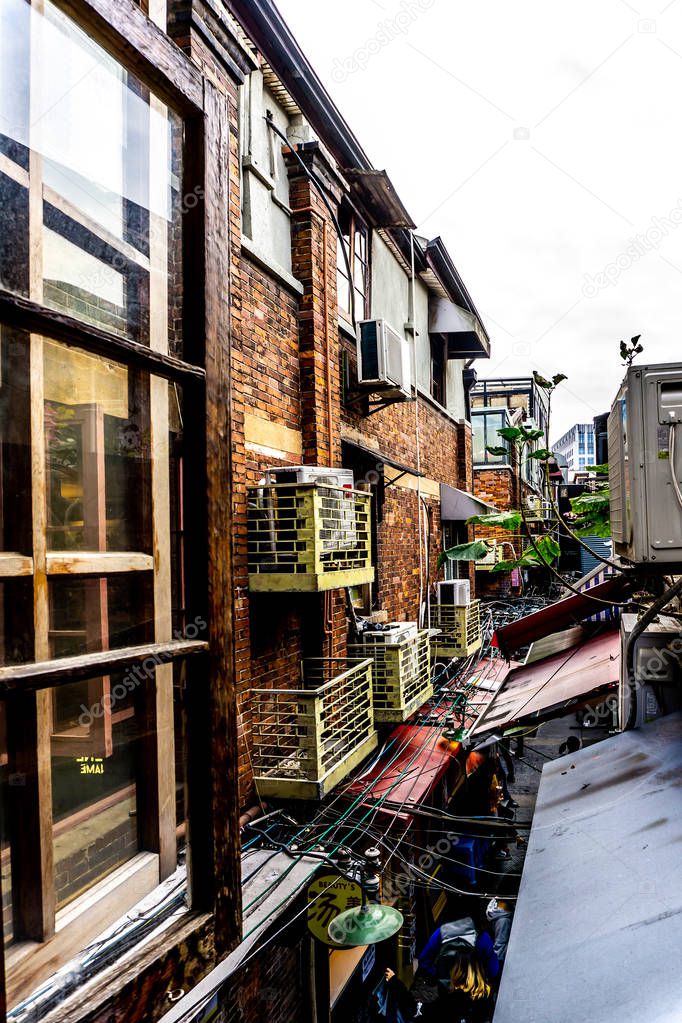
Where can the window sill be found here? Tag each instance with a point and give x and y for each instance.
(271, 267)
(346, 327)
(29, 963)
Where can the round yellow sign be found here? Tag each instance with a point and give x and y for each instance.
(329, 895)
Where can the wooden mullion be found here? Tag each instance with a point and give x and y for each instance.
(23, 678)
(213, 784)
(30, 315)
(156, 795)
(142, 47)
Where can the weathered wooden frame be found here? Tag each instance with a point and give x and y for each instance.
(146, 50)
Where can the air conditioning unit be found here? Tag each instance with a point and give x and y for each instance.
(384, 360)
(657, 671)
(645, 466)
(310, 474)
(454, 592)
(391, 632)
(339, 523)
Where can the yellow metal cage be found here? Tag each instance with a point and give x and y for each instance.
(308, 739)
(401, 676)
(308, 537)
(460, 629)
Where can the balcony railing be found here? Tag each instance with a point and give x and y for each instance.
(308, 739)
(460, 629)
(401, 676)
(308, 537)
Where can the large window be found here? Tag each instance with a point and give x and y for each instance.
(485, 425)
(91, 470)
(354, 240)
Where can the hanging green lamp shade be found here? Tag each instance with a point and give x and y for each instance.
(365, 925)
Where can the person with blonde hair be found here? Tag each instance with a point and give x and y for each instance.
(470, 999)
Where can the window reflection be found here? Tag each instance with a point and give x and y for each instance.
(107, 164)
(100, 613)
(93, 755)
(97, 445)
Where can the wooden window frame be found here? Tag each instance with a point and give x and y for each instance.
(144, 50)
(356, 224)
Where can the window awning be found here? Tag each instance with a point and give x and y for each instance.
(459, 505)
(380, 459)
(536, 691)
(558, 616)
(463, 332)
(601, 889)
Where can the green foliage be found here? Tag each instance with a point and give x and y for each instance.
(558, 378)
(542, 453)
(491, 449)
(592, 511)
(465, 552)
(601, 470)
(628, 352)
(541, 381)
(510, 520)
(548, 550)
(532, 434)
(511, 432)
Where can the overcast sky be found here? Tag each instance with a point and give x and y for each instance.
(543, 142)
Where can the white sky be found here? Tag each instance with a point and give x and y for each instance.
(594, 90)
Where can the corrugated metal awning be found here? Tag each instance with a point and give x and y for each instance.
(561, 615)
(598, 922)
(459, 505)
(380, 459)
(546, 687)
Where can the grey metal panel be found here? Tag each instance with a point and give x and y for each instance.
(646, 517)
(458, 505)
(598, 925)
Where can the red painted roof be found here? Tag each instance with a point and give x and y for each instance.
(418, 760)
(555, 682)
(561, 615)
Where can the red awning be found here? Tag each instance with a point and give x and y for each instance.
(414, 762)
(558, 616)
(539, 690)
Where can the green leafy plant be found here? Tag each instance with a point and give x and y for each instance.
(474, 551)
(629, 351)
(592, 513)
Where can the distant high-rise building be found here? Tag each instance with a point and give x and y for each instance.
(577, 447)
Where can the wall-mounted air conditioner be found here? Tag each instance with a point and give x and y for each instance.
(455, 592)
(388, 633)
(645, 466)
(383, 360)
(310, 474)
(337, 514)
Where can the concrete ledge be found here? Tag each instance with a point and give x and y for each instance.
(271, 267)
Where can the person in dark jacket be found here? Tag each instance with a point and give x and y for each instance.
(467, 998)
(452, 938)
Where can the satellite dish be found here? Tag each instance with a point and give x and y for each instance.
(365, 925)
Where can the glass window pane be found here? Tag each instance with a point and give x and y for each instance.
(343, 292)
(94, 751)
(97, 441)
(16, 621)
(97, 613)
(15, 455)
(107, 168)
(478, 439)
